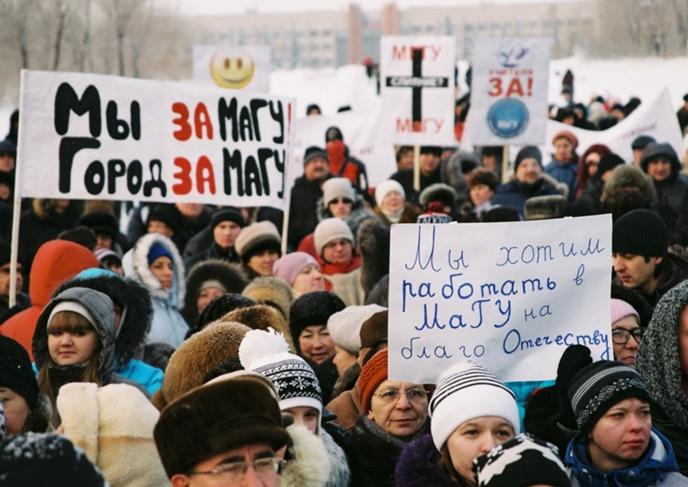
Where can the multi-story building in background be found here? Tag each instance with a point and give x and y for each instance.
(332, 38)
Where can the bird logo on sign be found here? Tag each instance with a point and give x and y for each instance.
(510, 56)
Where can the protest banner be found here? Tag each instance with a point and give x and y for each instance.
(509, 91)
(417, 88)
(238, 68)
(361, 136)
(656, 118)
(85, 136)
(511, 296)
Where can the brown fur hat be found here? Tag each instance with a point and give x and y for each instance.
(272, 291)
(197, 356)
(261, 317)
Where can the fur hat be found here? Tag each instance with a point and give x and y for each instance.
(231, 276)
(373, 373)
(438, 192)
(197, 356)
(313, 308)
(485, 177)
(627, 189)
(466, 391)
(114, 426)
(544, 207)
(331, 229)
(335, 188)
(260, 317)
(374, 329)
(386, 187)
(345, 326)
(271, 291)
(267, 353)
(372, 238)
(218, 308)
(255, 238)
(167, 214)
(224, 414)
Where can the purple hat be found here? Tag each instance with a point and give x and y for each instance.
(290, 266)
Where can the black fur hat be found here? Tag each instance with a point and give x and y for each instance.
(313, 308)
(218, 308)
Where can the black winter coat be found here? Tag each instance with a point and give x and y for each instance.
(303, 216)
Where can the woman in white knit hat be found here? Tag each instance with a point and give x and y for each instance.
(471, 412)
(392, 206)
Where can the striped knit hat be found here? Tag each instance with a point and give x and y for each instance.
(600, 385)
(466, 391)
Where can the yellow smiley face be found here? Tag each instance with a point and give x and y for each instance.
(232, 68)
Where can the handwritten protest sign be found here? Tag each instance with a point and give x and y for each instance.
(238, 68)
(511, 296)
(509, 91)
(417, 88)
(87, 136)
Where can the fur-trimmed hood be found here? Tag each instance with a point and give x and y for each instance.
(101, 309)
(231, 276)
(628, 188)
(134, 299)
(271, 291)
(261, 317)
(135, 263)
(311, 465)
(373, 242)
(340, 475)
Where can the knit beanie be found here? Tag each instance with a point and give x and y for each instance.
(226, 214)
(167, 214)
(568, 135)
(520, 462)
(373, 373)
(608, 162)
(528, 152)
(374, 329)
(288, 267)
(256, 237)
(312, 152)
(331, 229)
(345, 326)
(600, 385)
(267, 353)
(16, 372)
(640, 232)
(621, 309)
(335, 188)
(313, 308)
(386, 187)
(158, 250)
(466, 391)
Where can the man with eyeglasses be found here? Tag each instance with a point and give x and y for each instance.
(225, 433)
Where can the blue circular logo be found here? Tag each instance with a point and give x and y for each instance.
(508, 117)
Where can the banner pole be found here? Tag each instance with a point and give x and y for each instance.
(416, 168)
(16, 209)
(288, 183)
(505, 162)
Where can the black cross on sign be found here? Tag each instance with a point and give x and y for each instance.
(416, 82)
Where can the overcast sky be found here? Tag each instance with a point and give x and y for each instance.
(207, 7)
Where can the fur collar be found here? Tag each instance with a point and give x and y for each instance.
(311, 464)
(138, 268)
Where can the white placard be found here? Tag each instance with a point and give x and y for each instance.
(509, 91)
(86, 136)
(361, 136)
(237, 68)
(511, 296)
(417, 88)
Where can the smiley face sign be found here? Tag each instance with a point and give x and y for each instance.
(232, 68)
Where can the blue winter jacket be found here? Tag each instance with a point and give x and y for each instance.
(566, 173)
(657, 466)
(147, 376)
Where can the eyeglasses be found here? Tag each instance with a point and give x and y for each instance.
(620, 336)
(235, 472)
(415, 395)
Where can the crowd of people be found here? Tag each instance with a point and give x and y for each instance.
(186, 347)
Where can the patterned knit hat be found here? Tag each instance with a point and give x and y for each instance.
(600, 385)
(521, 461)
(267, 353)
(466, 391)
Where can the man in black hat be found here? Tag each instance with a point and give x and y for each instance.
(22, 298)
(640, 257)
(226, 432)
(638, 147)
